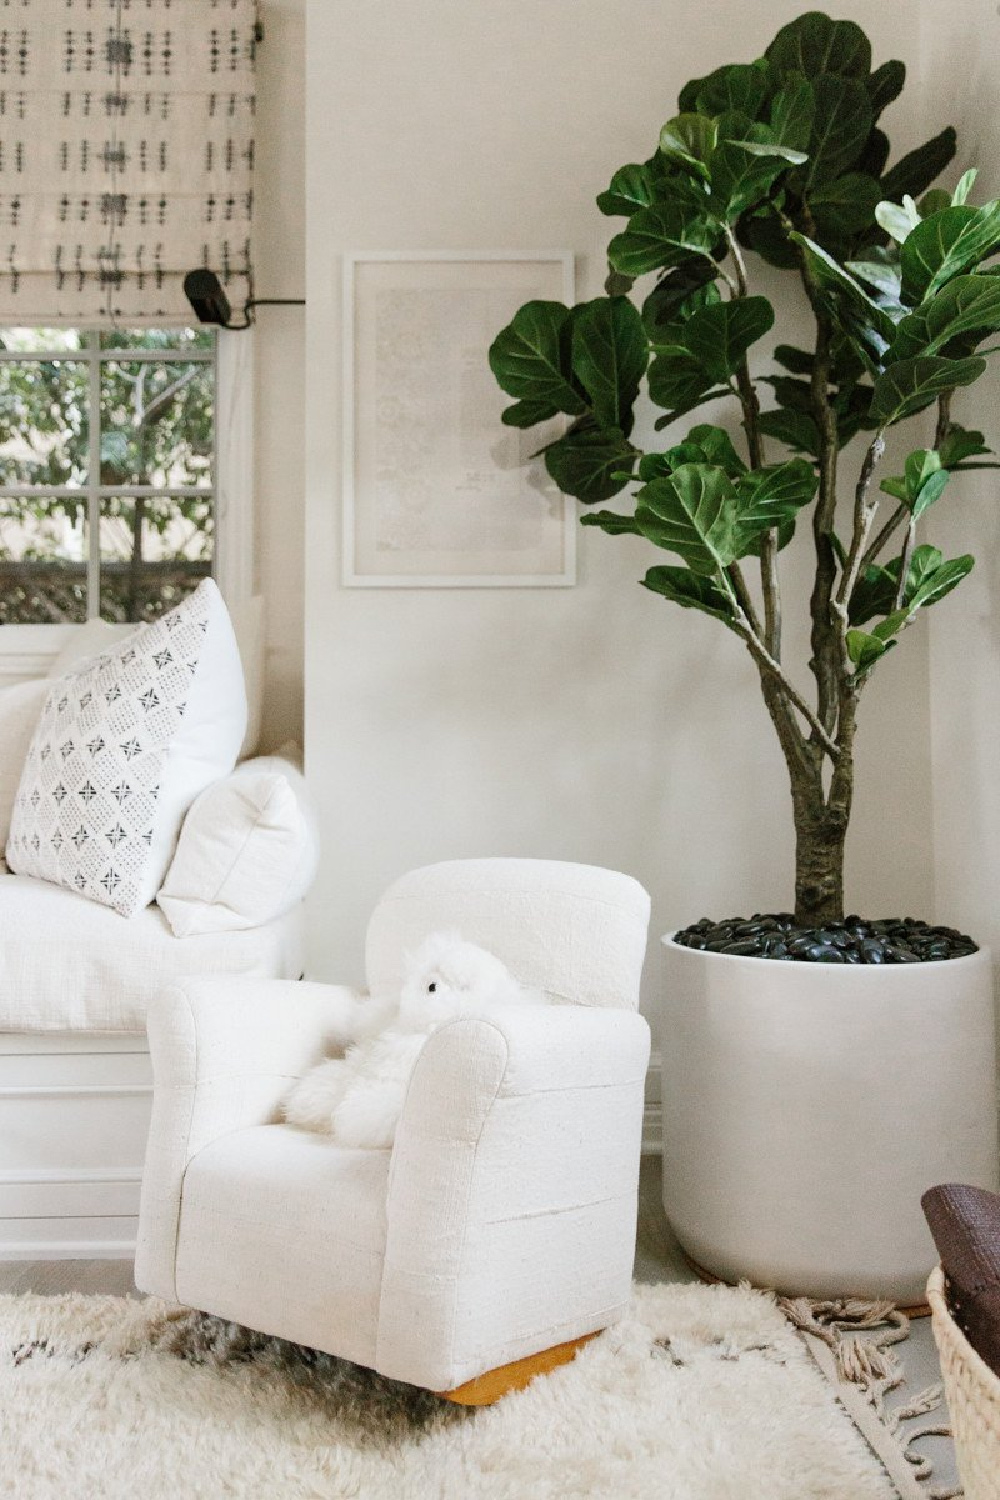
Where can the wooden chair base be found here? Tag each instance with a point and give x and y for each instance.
(487, 1388)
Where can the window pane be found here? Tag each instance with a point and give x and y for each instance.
(43, 422)
(157, 338)
(43, 562)
(41, 340)
(153, 551)
(156, 422)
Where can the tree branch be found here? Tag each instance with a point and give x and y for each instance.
(769, 582)
(864, 515)
(826, 661)
(773, 669)
(905, 559)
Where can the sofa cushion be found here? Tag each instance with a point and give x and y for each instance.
(123, 746)
(247, 852)
(67, 964)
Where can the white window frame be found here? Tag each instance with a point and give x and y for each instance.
(28, 650)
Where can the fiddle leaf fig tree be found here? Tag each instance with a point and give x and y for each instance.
(784, 157)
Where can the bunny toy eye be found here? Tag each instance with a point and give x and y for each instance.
(431, 987)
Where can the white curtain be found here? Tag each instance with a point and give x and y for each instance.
(126, 156)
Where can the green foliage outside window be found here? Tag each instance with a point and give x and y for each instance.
(155, 418)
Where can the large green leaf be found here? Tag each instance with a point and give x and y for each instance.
(865, 648)
(676, 296)
(912, 384)
(874, 593)
(677, 379)
(527, 413)
(630, 189)
(609, 352)
(718, 337)
(915, 172)
(868, 326)
(666, 234)
(946, 245)
(792, 111)
(693, 512)
(897, 219)
(690, 139)
(969, 305)
(740, 179)
(941, 580)
(589, 462)
(527, 360)
(771, 497)
(611, 522)
(737, 86)
(886, 84)
(922, 483)
(845, 205)
(717, 448)
(814, 45)
(842, 122)
(690, 590)
(879, 269)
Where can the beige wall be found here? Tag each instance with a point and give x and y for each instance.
(279, 236)
(965, 630)
(595, 723)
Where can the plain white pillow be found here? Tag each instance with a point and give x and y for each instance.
(247, 618)
(247, 853)
(20, 710)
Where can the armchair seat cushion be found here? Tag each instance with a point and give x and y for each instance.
(68, 964)
(285, 1231)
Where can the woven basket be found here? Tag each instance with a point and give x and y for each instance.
(973, 1393)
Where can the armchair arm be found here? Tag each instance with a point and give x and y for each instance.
(224, 1053)
(512, 1190)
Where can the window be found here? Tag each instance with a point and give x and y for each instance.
(107, 471)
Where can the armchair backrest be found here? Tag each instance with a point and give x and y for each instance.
(575, 931)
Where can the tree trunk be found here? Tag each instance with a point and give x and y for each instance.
(819, 868)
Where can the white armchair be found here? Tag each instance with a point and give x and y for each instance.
(501, 1224)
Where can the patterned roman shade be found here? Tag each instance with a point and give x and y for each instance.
(126, 154)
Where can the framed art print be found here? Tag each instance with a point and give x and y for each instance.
(437, 492)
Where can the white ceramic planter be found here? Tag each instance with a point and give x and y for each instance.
(806, 1108)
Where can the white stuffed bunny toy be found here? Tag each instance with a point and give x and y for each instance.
(359, 1097)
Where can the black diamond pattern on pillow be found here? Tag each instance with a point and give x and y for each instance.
(86, 806)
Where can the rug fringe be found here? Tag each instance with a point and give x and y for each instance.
(860, 1335)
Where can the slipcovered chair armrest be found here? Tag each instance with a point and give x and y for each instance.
(224, 1052)
(518, 1149)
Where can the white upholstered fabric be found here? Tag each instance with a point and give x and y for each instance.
(68, 964)
(20, 709)
(124, 744)
(261, 1201)
(247, 852)
(576, 931)
(506, 1220)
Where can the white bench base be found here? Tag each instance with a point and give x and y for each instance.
(74, 1115)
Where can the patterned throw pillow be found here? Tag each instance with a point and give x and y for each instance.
(125, 743)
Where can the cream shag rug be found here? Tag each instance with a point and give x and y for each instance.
(705, 1393)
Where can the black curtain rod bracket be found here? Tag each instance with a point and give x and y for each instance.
(203, 290)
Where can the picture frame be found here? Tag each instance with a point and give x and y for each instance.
(437, 493)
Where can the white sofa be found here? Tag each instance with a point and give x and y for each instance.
(502, 1223)
(75, 1077)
